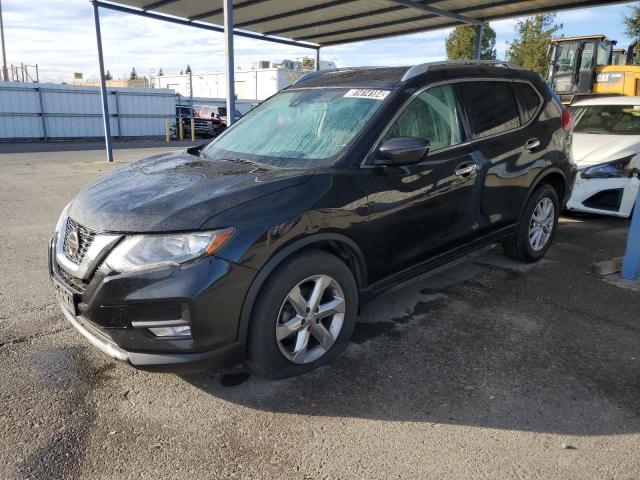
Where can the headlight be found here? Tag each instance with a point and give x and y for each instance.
(617, 169)
(140, 252)
(63, 218)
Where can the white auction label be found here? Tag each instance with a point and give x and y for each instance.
(367, 93)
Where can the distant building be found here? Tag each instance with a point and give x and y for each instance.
(122, 83)
(256, 84)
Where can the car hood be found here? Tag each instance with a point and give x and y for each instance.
(174, 191)
(591, 149)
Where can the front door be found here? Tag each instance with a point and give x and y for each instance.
(418, 211)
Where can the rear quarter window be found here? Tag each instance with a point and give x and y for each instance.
(490, 106)
(529, 100)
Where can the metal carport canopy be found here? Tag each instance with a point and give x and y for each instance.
(333, 22)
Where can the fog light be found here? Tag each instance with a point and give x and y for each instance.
(178, 331)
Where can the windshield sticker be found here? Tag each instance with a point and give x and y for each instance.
(367, 93)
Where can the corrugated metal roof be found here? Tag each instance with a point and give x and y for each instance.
(331, 22)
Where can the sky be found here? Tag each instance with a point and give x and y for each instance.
(59, 36)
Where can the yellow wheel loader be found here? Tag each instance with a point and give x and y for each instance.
(582, 67)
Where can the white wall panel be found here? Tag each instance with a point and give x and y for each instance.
(72, 111)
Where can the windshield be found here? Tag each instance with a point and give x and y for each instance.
(299, 128)
(607, 119)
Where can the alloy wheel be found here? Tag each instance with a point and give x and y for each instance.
(541, 224)
(310, 319)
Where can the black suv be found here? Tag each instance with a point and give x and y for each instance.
(261, 245)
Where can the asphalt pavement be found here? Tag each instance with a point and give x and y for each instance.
(490, 369)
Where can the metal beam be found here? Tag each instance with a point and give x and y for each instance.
(631, 264)
(331, 21)
(479, 33)
(291, 13)
(228, 46)
(440, 26)
(203, 26)
(437, 11)
(103, 86)
(218, 11)
(158, 4)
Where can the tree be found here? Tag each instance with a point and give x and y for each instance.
(529, 49)
(160, 73)
(632, 29)
(108, 76)
(188, 70)
(181, 72)
(461, 43)
(133, 75)
(308, 63)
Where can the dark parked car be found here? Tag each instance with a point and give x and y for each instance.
(261, 246)
(204, 126)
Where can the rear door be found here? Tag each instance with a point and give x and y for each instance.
(506, 145)
(418, 211)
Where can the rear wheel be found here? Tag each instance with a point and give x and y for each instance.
(304, 317)
(537, 227)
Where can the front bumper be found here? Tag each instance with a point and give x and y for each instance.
(173, 362)
(604, 196)
(114, 311)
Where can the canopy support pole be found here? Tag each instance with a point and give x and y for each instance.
(631, 265)
(317, 59)
(479, 34)
(228, 46)
(103, 87)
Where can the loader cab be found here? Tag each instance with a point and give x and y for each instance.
(573, 62)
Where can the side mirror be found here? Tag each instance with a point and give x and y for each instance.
(403, 151)
(195, 151)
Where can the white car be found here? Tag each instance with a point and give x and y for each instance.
(606, 147)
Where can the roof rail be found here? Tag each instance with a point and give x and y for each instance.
(424, 67)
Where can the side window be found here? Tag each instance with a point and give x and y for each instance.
(432, 115)
(491, 107)
(588, 58)
(528, 98)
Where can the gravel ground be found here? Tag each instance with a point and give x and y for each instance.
(489, 369)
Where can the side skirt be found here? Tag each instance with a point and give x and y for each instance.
(436, 264)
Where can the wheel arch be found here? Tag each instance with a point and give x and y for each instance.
(551, 176)
(335, 243)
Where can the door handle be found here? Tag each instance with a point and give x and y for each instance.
(466, 170)
(532, 144)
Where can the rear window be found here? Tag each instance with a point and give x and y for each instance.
(491, 107)
(529, 100)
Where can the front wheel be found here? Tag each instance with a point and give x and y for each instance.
(304, 316)
(534, 234)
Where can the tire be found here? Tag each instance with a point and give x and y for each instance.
(282, 355)
(522, 245)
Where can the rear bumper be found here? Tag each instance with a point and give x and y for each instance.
(168, 362)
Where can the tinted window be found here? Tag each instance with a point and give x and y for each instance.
(432, 115)
(491, 107)
(566, 57)
(588, 59)
(529, 100)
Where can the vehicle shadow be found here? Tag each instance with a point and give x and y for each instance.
(485, 344)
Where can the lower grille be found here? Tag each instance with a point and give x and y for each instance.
(77, 284)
